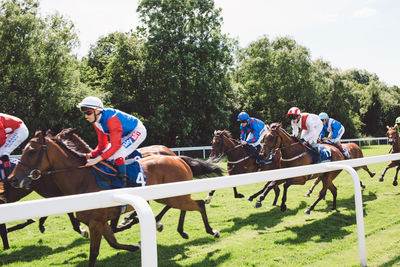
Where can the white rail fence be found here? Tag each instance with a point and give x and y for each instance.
(138, 197)
(359, 141)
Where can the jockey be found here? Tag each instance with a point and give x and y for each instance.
(335, 130)
(119, 134)
(310, 124)
(13, 132)
(397, 125)
(256, 130)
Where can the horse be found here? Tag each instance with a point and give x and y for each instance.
(45, 188)
(294, 154)
(43, 156)
(239, 160)
(393, 139)
(355, 153)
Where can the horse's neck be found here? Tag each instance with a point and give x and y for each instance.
(233, 151)
(288, 146)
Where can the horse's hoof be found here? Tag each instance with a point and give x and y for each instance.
(207, 201)
(307, 195)
(283, 208)
(372, 174)
(307, 211)
(216, 233)
(159, 226)
(239, 196)
(124, 223)
(42, 228)
(250, 198)
(184, 235)
(380, 179)
(258, 205)
(395, 183)
(84, 233)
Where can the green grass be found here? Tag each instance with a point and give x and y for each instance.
(249, 237)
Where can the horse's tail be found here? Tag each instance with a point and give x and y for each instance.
(200, 168)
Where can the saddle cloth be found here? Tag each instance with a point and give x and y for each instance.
(325, 153)
(107, 178)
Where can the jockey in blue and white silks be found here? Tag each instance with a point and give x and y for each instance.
(335, 130)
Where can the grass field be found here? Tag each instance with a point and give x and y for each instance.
(249, 236)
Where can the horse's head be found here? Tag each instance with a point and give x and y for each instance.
(272, 139)
(34, 160)
(392, 135)
(221, 142)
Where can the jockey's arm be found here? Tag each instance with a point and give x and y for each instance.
(115, 127)
(102, 140)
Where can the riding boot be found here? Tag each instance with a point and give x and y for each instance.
(6, 165)
(122, 174)
(345, 153)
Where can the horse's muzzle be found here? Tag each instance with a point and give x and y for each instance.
(24, 183)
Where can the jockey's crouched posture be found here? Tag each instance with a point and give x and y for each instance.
(310, 124)
(13, 132)
(335, 130)
(118, 133)
(256, 130)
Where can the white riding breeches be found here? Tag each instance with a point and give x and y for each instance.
(14, 140)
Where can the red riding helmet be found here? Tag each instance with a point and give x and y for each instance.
(293, 111)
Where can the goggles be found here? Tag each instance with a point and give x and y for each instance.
(292, 117)
(243, 121)
(87, 111)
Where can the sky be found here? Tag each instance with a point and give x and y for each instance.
(361, 34)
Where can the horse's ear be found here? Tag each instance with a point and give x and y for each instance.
(387, 126)
(39, 134)
(50, 133)
(215, 132)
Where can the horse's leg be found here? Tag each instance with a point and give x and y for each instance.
(237, 195)
(208, 199)
(371, 174)
(321, 195)
(312, 187)
(20, 226)
(395, 177)
(110, 237)
(96, 232)
(127, 219)
(203, 213)
(270, 186)
(362, 185)
(41, 224)
(159, 225)
(180, 225)
(277, 191)
(3, 233)
(284, 197)
(391, 164)
(76, 225)
(258, 193)
(120, 228)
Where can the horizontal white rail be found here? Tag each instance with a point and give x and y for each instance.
(59, 205)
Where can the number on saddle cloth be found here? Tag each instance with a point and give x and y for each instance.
(135, 172)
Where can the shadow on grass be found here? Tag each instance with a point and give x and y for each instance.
(167, 256)
(391, 263)
(36, 252)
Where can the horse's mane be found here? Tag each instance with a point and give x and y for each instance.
(226, 133)
(278, 125)
(65, 140)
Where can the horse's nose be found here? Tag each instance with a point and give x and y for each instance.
(22, 183)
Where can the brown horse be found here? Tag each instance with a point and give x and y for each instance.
(294, 154)
(239, 159)
(43, 156)
(394, 140)
(355, 153)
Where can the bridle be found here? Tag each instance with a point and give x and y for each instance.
(34, 172)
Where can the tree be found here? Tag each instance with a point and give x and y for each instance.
(186, 81)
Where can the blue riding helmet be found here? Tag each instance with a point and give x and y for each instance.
(323, 116)
(243, 116)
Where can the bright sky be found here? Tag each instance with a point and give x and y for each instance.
(362, 34)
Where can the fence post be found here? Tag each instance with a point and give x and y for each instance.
(147, 227)
(359, 212)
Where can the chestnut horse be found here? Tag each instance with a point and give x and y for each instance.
(295, 154)
(394, 140)
(43, 156)
(239, 160)
(355, 153)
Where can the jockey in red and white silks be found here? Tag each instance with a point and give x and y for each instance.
(310, 124)
(13, 132)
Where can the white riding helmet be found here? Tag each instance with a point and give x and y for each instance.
(91, 102)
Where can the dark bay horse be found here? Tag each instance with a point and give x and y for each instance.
(295, 154)
(239, 159)
(42, 156)
(394, 140)
(355, 153)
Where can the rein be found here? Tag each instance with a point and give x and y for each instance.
(35, 173)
